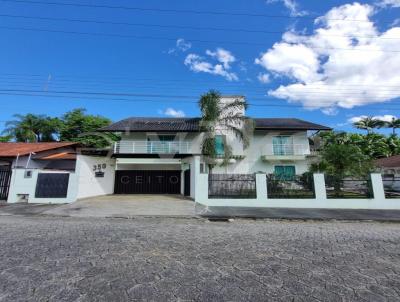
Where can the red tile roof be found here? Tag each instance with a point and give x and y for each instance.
(59, 156)
(13, 149)
(389, 162)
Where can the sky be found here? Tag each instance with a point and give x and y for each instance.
(329, 62)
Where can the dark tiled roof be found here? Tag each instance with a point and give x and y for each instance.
(154, 124)
(287, 124)
(13, 149)
(389, 162)
(139, 124)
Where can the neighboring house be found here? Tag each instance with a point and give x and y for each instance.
(163, 155)
(20, 161)
(389, 166)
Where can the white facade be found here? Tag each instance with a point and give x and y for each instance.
(258, 157)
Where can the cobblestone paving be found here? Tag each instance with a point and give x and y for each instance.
(144, 259)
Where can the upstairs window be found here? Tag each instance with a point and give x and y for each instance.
(282, 145)
(219, 145)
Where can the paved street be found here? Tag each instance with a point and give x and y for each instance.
(149, 259)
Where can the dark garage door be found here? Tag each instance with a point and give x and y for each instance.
(147, 182)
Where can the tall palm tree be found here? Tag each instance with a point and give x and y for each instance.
(32, 128)
(394, 124)
(368, 123)
(217, 116)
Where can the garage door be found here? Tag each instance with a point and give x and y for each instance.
(147, 182)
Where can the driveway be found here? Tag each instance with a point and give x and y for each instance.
(127, 206)
(160, 259)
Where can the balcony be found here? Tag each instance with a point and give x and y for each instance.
(152, 147)
(289, 152)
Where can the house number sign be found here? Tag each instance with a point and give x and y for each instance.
(98, 170)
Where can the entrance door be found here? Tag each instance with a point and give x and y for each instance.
(5, 177)
(147, 182)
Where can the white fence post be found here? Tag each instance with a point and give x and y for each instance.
(201, 193)
(261, 187)
(377, 186)
(319, 185)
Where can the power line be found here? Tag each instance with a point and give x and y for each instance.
(174, 39)
(318, 105)
(104, 93)
(180, 11)
(72, 77)
(180, 26)
(333, 91)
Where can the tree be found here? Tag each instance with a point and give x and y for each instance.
(218, 118)
(394, 124)
(339, 161)
(373, 145)
(5, 139)
(32, 128)
(80, 127)
(368, 123)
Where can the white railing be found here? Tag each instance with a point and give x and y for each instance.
(286, 149)
(152, 147)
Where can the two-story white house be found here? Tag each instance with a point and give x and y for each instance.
(163, 155)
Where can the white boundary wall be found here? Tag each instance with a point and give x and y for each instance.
(82, 183)
(21, 186)
(88, 184)
(320, 202)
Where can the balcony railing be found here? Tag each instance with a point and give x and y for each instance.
(287, 150)
(152, 147)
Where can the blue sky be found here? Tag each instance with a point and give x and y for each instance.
(274, 52)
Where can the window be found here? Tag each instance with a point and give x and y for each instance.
(282, 145)
(219, 145)
(285, 172)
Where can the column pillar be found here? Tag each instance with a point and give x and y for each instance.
(319, 185)
(377, 186)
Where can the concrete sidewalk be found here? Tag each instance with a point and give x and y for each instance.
(306, 214)
(24, 208)
(126, 206)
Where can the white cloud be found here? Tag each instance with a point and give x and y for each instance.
(385, 118)
(224, 57)
(391, 3)
(292, 6)
(334, 67)
(264, 78)
(181, 45)
(173, 112)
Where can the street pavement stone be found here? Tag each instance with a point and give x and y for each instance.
(167, 259)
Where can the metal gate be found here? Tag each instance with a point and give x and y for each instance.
(5, 177)
(52, 185)
(187, 182)
(147, 182)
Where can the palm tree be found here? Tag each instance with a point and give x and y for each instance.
(368, 123)
(394, 124)
(32, 128)
(217, 118)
